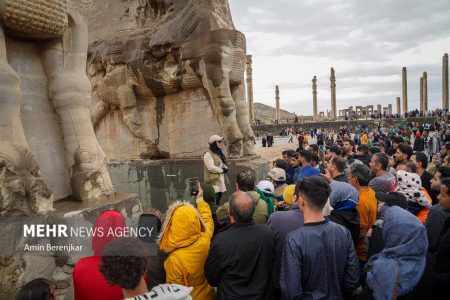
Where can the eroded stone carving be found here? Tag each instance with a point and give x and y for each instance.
(58, 39)
(170, 46)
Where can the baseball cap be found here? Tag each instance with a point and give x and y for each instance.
(277, 174)
(392, 199)
(215, 138)
(266, 186)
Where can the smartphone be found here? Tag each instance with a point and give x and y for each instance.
(193, 186)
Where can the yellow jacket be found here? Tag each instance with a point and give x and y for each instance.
(186, 235)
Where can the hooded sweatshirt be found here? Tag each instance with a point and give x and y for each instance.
(88, 281)
(186, 236)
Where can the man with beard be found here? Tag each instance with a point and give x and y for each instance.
(383, 182)
(396, 141)
(347, 149)
(404, 153)
(420, 159)
(436, 215)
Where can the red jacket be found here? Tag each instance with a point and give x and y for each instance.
(88, 281)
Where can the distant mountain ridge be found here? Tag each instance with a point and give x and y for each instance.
(266, 113)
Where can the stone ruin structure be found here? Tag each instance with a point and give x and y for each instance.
(155, 78)
(45, 127)
(365, 111)
(165, 76)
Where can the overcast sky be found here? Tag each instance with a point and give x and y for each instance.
(367, 42)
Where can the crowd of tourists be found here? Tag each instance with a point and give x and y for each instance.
(345, 218)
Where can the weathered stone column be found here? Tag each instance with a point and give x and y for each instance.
(277, 104)
(314, 92)
(249, 71)
(425, 92)
(445, 81)
(421, 93)
(399, 107)
(405, 90)
(389, 109)
(333, 94)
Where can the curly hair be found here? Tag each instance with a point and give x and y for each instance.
(124, 262)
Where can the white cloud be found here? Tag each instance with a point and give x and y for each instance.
(367, 43)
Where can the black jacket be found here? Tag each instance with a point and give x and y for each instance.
(442, 255)
(419, 144)
(240, 262)
(349, 219)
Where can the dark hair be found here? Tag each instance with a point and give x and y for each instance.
(124, 262)
(410, 167)
(397, 140)
(314, 147)
(382, 145)
(445, 172)
(382, 159)
(361, 172)
(339, 162)
(335, 149)
(245, 180)
(446, 182)
(363, 148)
(284, 152)
(216, 150)
(281, 163)
(242, 212)
(315, 190)
(406, 149)
(351, 142)
(374, 150)
(306, 155)
(315, 157)
(292, 153)
(39, 288)
(422, 158)
(447, 146)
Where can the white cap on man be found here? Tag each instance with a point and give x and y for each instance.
(215, 138)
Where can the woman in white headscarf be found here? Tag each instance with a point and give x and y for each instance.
(215, 166)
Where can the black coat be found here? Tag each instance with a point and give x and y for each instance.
(419, 144)
(349, 219)
(240, 262)
(442, 255)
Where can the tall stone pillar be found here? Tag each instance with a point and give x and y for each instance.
(421, 93)
(277, 105)
(425, 91)
(249, 70)
(314, 92)
(399, 107)
(445, 81)
(389, 109)
(333, 94)
(405, 90)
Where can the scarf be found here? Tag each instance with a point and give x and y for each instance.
(403, 256)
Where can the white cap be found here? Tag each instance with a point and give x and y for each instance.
(214, 138)
(266, 186)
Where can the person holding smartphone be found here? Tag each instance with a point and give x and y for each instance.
(215, 166)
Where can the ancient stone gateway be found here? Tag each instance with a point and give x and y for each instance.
(48, 148)
(165, 76)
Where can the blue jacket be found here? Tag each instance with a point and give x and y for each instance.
(297, 174)
(308, 171)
